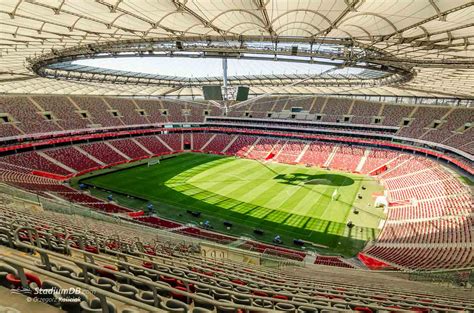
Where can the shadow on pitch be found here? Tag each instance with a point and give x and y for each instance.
(319, 179)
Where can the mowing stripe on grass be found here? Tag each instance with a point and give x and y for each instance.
(273, 197)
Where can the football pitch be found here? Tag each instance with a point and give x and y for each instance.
(293, 201)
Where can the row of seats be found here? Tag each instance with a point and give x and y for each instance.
(437, 207)
(138, 264)
(42, 114)
(429, 210)
(332, 261)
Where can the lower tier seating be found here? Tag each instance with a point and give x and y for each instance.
(131, 268)
(428, 204)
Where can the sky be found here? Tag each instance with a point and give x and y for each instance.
(202, 67)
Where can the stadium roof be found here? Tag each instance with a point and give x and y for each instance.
(430, 39)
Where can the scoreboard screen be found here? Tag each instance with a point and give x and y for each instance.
(212, 92)
(242, 93)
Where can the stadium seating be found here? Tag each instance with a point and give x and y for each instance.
(331, 261)
(175, 112)
(346, 158)
(317, 154)
(335, 109)
(420, 191)
(72, 158)
(290, 152)
(97, 110)
(173, 141)
(461, 140)
(436, 214)
(63, 110)
(394, 114)
(127, 110)
(29, 119)
(27, 115)
(318, 105)
(241, 145)
(218, 143)
(200, 140)
(423, 257)
(129, 148)
(304, 103)
(33, 161)
(264, 104)
(423, 118)
(420, 120)
(429, 218)
(363, 112)
(446, 132)
(262, 148)
(170, 275)
(153, 144)
(153, 110)
(9, 130)
(103, 152)
(196, 113)
(377, 158)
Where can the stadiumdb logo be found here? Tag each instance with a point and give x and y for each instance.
(46, 295)
(50, 291)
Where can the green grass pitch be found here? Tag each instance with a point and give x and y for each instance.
(290, 200)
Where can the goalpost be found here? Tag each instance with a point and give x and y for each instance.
(153, 162)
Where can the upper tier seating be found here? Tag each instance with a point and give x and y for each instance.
(127, 110)
(153, 110)
(423, 119)
(394, 114)
(335, 109)
(318, 104)
(27, 115)
(175, 113)
(63, 110)
(450, 126)
(364, 111)
(303, 103)
(9, 130)
(98, 111)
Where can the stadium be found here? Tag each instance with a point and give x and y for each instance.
(236, 156)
